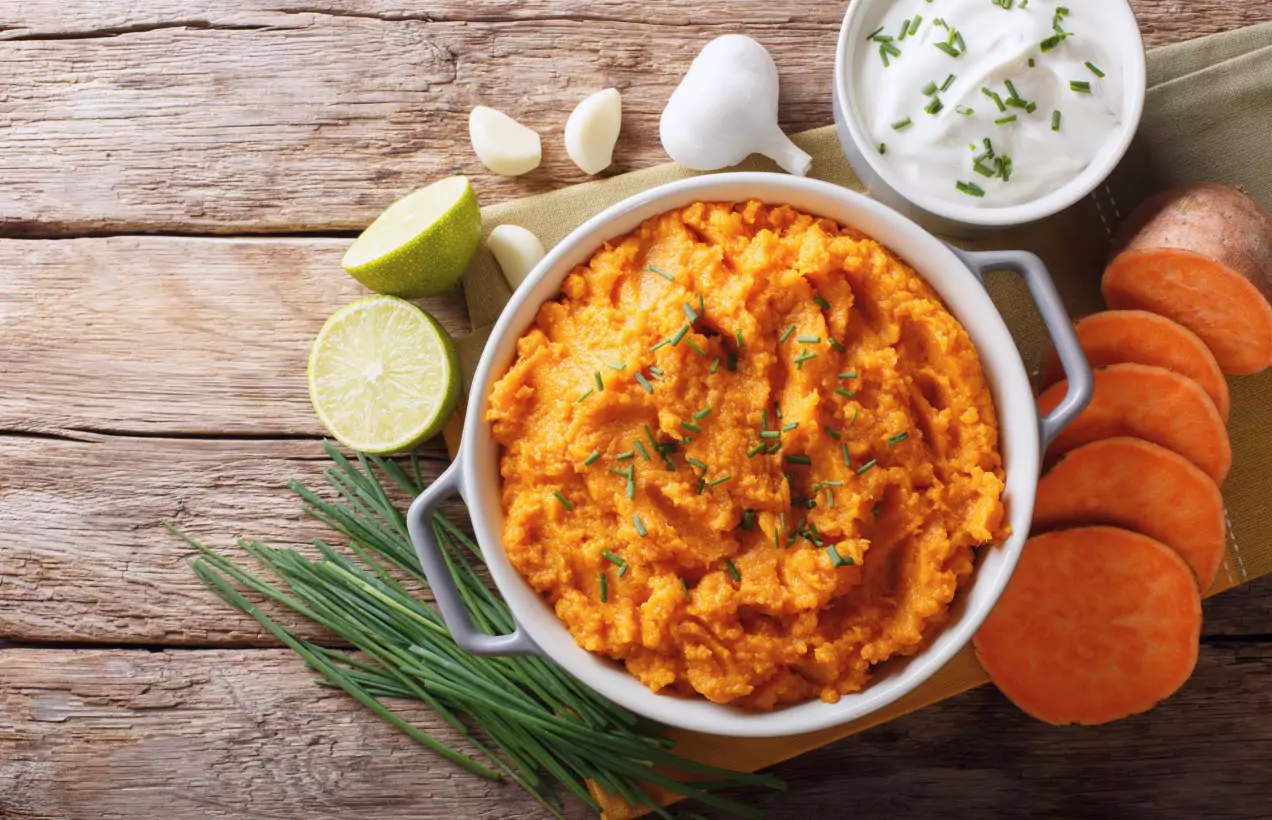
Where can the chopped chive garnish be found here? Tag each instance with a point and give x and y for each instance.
(851, 374)
(883, 148)
(1055, 120)
(1007, 120)
(592, 458)
(843, 449)
(1031, 59)
(1017, 103)
(618, 472)
(883, 55)
(808, 340)
(916, 22)
(694, 347)
(663, 343)
(874, 33)
(731, 362)
(930, 89)
(755, 451)
(1080, 86)
(934, 107)
(831, 431)
(680, 334)
(899, 124)
(887, 47)
(1011, 89)
(644, 382)
(715, 365)
(640, 445)
(702, 414)
(702, 484)
(837, 560)
(905, 29)
(805, 460)
(696, 463)
(835, 343)
(970, 188)
(821, 303)
(737, 334)
(585, 394)
(769, 434)
(897, 439)
(717, 482)
(728, 564)
(691, 427)
(965, 111)
(1031, 107)
(764, 419)
(993, 95)
(1063, 11)
(805, 356)
(623, 570)
(684, 588)
(604, 584)
(702, 310)
(600, 385)
(660, 272)
(865, 468)
(748, 520)
(786, 334)
(773, 448)
(876, 510)
(657, 371)
(777, 410)
(786, 428)
(640, 526)
(1051, 42)
(983, 171)
(830, 498)
(631, 482)
(854, 416)
(948, 49)
(1094, 69)
(690, 313)
(565, 502)
(847, 394)
(625, 456)
(949, 81)
(832, 484)
(616, 365)
(616, 560)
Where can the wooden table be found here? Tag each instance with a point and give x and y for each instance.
(179, 178)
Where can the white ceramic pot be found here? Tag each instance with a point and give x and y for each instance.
(1117, 22)
(955, 276)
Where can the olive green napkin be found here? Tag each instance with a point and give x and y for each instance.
(1209, 105)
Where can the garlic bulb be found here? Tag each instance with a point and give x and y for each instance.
(592, 130)
(725, 109)
(503, 145)
(516, 250)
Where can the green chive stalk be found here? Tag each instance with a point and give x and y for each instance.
(521, 719)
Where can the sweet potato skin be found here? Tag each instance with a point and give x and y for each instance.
(1140, 337)
(1151, 403)
(1097, 624)
(1139, 486)
(1202, 256)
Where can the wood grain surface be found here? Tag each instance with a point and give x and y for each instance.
(248, 116)
(151, 377)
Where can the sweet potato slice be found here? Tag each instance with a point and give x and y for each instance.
(1202, 256)
(1140, 337)
(1096, 625)
(1137, 485)
(1151, 403)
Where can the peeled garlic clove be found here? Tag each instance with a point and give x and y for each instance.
(592, 130)
(503, 145)
(516, 250)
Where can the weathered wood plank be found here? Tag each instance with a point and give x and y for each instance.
(252, 116)
(117, 735)
(163, 335)
(84, 557)
(204, 734)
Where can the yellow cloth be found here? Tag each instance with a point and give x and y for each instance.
(1209, 104)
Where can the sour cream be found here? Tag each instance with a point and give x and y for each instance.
(929, 115)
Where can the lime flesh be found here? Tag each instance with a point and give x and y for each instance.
(383, 375)
(422, 244)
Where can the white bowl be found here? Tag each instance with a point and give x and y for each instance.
(939, 215)
(475, 473)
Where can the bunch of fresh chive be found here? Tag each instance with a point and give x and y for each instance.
(535, 725)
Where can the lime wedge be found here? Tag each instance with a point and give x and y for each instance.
(383, 375)
(422, 244)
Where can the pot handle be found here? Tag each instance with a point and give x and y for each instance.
(419, 522)
(1059, 326)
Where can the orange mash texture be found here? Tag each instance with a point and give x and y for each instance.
(836, 569)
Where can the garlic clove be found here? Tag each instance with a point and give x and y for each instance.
(503, 145)
(516, 250)
(592, 130)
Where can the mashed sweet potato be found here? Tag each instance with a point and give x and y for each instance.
(785, 475)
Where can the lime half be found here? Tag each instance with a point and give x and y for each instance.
(383, 375)
(422, 244)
